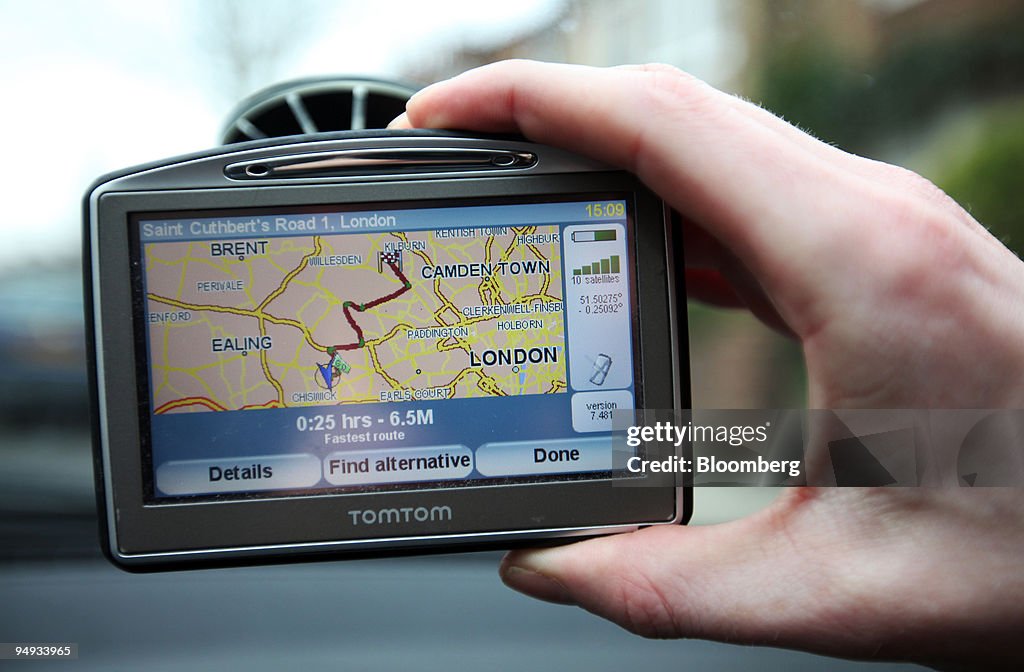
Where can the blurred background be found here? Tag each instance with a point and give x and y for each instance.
(89, 87)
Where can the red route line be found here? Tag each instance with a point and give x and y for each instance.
(348, 306)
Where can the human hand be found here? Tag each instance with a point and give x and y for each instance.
(899, 299)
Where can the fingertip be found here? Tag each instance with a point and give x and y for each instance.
(424, 109)
(608, 576)
(558, 573)
(477, 99)
(413, 117)
(400, 122)
(535, 584)
(548, 561)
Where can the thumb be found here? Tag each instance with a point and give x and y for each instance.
(747, 581)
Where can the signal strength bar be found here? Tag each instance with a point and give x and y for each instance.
(606, 265)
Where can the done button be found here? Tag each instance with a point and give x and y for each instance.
(562, 456)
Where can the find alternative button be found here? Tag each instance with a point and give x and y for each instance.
(398, 465)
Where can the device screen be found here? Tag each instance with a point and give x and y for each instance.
(308, 350)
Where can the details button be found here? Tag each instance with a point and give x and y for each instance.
(240, 474)
(562, 456)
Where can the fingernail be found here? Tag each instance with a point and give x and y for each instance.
(401, 120)
(535, 585)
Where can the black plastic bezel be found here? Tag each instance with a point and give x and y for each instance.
(236, 531)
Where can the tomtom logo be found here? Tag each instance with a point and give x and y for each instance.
(408, 514)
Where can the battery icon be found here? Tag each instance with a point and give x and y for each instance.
(593, 236)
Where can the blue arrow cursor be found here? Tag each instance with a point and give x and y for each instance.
(328, 373)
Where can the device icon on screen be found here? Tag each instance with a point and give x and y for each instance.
(602, 365)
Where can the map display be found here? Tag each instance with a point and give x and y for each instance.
(327, 347)
(371, 316)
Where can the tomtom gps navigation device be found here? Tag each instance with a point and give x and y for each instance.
(372, 342)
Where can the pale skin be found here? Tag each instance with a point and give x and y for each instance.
(899, 299)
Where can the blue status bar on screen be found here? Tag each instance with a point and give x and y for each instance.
(379, 221)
